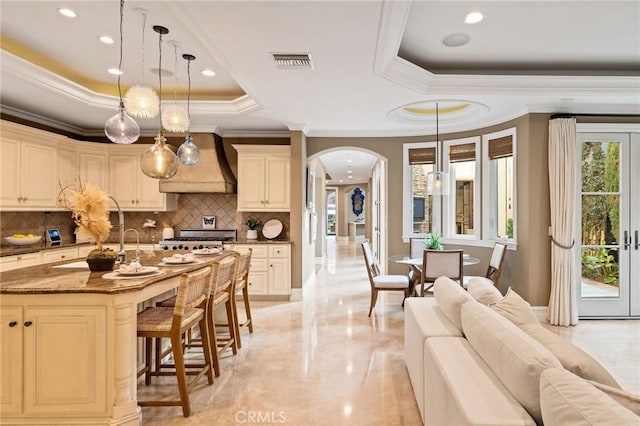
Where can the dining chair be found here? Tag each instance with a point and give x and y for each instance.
(495, 266)
(439, 263)
(379, 281)
(156, 323)
(416, 246)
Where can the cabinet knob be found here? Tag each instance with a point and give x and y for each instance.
(63, 256)
(13, 323)
(28, 324)
(19, 258)
(24, 198)
(133, 201)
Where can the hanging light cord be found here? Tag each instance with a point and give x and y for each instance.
(160, 76)
(120, 63)
(144, 25)
(175, 70)
(189, 95)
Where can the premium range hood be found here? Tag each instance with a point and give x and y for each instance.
(211, 174)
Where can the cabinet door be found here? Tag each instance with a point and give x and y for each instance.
(11, 333)
(92, 167)
(57, 255)
(38, 166)
(258, 282)
(277, 182)
(279, 276)
(10, 173)
(148, 190)
(122, 180)
(67, 167)
(65, 360)
(251, 175)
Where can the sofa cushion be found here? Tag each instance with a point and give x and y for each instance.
(517, 359)
(627, 399)
(566, 399)
(450, 297)
(483, 291)
(460, 389)
(515, 309)
(570, 356)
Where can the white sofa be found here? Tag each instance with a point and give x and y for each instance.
(470, 365)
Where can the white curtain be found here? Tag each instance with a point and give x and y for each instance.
(563, 305)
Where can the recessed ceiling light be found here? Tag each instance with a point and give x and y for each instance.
(106, 39)
(456, 40)
(473, 18)
(349, 177)
(114, 71)
(349, 171)
(208, 73)
(349, 161)
(340, 181)
(67, 12)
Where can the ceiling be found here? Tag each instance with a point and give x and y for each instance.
(372, 60)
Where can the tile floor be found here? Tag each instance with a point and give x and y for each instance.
(321, 361)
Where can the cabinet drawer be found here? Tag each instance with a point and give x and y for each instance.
(279, 251)
(8, 263)
(50, 256)
(258, 264)
(258, 251)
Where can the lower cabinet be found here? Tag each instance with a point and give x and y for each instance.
(53, 359)
(57, 255)
(8, 263)
(270, 272)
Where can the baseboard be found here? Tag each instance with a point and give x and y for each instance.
(296, 295)
(342, 238)
(541, 313)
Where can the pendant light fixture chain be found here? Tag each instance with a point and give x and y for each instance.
(161, 31)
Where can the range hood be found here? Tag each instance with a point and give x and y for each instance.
(211, 174)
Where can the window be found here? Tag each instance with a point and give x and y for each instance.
(500, 203)
(419, 159)
(481, 206)
(461, 211)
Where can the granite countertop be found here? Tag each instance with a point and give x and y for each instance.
(245, 241)
(15, 250)
(52, 278)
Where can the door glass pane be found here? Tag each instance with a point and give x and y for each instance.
(600, 166)
(422, 209)
(600, 272)
(464, 175)
(600, 219)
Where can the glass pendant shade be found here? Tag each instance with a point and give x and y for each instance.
(437, 183)
(121, 128)
(175, 119)
(142, 102)
(188, 153)
(159, 162)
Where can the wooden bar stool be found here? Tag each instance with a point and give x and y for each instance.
(172, 323)
(242, 287)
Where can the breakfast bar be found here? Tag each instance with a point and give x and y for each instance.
(68, 349)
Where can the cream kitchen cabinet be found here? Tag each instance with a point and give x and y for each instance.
(92, 164)
(58, 255)
(26, 171)
(53, 354)
(8, 263)
(130, 186)
(270, 271)
(264, 177)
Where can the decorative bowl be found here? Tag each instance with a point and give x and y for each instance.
(22, 241)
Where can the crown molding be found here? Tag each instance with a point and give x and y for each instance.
(256, 134)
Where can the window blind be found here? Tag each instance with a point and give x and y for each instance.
(501, 147)
(422, 156)
(463, 152)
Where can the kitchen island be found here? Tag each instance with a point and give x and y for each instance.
(68, 345)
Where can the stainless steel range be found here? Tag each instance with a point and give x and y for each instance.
(191, 239)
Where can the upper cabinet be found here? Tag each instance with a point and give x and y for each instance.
(132, 188)
(34, 164)
(264, 177)
(28, 163)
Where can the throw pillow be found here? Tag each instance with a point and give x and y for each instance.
(566, 399)
(627, 399)
(570, 356)
(450, 297)
(515, 309)
(483, 292)
(515, 358)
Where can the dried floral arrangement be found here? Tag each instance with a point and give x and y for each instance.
(90, 211)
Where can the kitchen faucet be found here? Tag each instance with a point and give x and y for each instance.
(137, 258)
(121, 254)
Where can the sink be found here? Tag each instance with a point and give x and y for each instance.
(80, 264)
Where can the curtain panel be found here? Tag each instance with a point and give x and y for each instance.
(563, 304)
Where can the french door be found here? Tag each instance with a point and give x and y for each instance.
(607, 238)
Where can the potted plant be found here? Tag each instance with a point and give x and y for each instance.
(252, 223)
(433, 242)
(90, 212)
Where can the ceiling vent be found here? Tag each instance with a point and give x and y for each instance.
(291, 61)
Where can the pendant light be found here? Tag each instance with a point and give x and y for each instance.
(175, 119)
(159, 162)
(121, 128)
(437, 181)
(142, 101)
(188, 153)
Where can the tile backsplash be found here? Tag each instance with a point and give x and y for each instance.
(188, 215)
